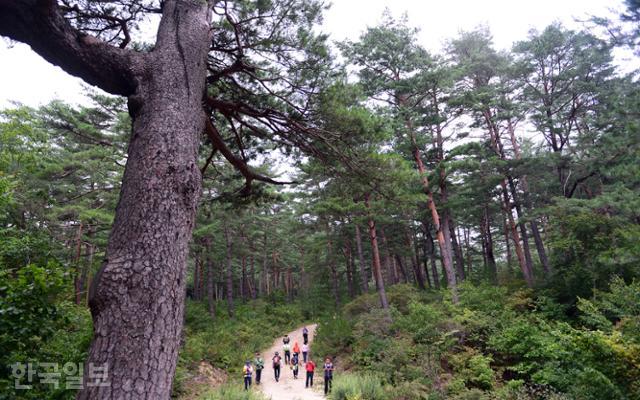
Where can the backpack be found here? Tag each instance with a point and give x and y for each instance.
(246, 370)
(276, 361)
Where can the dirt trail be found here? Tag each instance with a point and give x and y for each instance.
(289, 388)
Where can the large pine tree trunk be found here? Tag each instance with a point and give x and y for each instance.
(364, 278)
(137, 297)
(377, 273)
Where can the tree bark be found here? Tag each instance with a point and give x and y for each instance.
(137, 297)
(376, 257)
(364, 278)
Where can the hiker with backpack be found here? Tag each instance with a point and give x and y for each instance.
(305, 335)
(310, 366)
(259, 363)
(287, 352)
(328, 375)
(286, 347)
(305, 352)
(276, 366)
(295, 363)
(247, 371)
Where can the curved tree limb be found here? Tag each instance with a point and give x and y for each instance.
(41, 25)
(239, 164)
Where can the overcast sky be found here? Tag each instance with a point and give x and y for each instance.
(27, 78)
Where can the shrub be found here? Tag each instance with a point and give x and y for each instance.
(233, 392)
(357, 387)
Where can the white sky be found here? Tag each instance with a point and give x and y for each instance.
(27, 78)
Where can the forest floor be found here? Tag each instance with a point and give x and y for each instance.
(288, 388)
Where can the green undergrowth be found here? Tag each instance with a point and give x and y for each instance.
(226, 343)
(498, 343)
(233, 392)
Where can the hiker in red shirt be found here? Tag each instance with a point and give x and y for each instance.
(310, 366)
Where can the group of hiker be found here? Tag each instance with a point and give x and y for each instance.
(292, 361)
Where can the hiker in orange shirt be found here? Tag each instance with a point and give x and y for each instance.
(296, 349)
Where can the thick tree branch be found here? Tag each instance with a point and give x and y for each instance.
(239, 164)
(40, 24)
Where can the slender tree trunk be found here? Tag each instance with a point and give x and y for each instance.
(507, 242)
(79, 267)
(526, 272)
(303, 273)
(387, 258)
(196, 277)
(425, 261)
(491, 260)
(364, 278)
(331, 263)
(467, 242)
(137, 296)
(229, 258)
(456, 249)
(542, 254)
(445, 248)
(349, 266)
(414, 261)
(86, 266)
(401, 267)
(243, 279)
(211, 301)
(264, 285)
(521, 225)
(376, 257)
(432, 255)
(252, 269)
